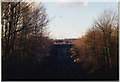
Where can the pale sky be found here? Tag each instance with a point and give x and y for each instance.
(72, 19)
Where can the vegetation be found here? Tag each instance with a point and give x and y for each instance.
(26, 45)
(25, 41)
(98, 48)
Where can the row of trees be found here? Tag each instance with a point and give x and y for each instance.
(25, 38)
(99, 46)
(20, 21)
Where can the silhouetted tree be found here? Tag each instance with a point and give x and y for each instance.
(99, 46)
(21, 20)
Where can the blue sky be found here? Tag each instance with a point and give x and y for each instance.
(73, 19)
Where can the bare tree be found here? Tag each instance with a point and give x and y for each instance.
(106, 23)
(100, 43)
(21, 19)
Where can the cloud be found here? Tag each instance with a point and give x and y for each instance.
(69, 3)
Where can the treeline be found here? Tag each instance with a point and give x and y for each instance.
(25, 39)
(98, 48)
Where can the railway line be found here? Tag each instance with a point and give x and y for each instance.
(61, 65)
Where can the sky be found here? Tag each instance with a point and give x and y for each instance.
(73, 19)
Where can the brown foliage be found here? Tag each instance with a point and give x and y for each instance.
(23, 33)
(99, 46)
